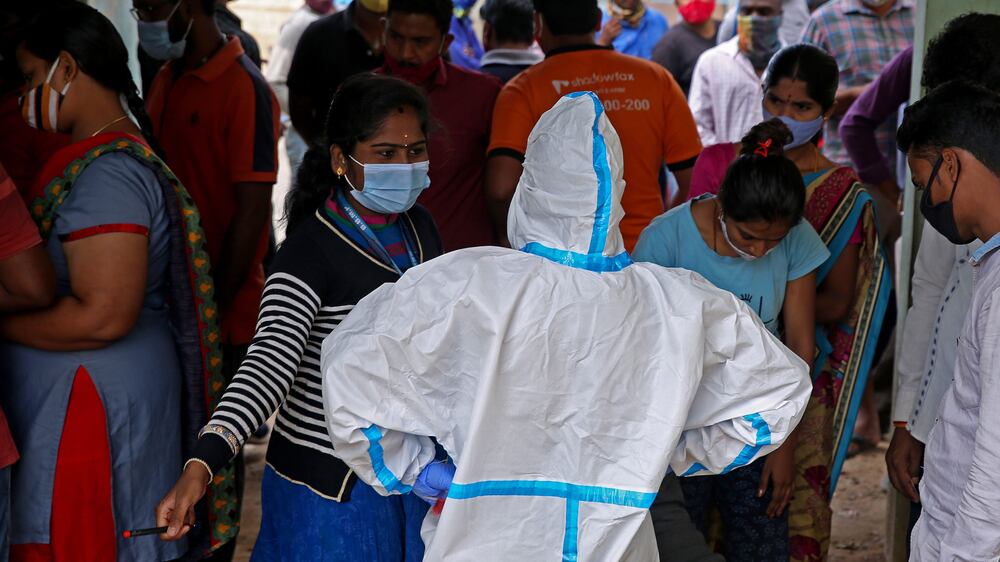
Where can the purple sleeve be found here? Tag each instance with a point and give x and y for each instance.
(710, 168)
(877, 103)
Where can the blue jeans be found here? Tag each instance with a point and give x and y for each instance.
(4, 513)
(298, 525)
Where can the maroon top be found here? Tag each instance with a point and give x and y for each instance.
(461, 103)
(710, 169)
(879, 102)
(23, 148)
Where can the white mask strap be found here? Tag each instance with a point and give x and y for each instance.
(52, 72)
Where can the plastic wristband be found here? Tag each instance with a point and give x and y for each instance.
(204, 464)
(901, 424)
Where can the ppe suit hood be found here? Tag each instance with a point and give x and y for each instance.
(567, 205)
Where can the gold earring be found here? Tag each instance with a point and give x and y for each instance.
(340, 171)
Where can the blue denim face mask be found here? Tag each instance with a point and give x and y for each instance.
(391, 188)
(802, 131)
(154, 38)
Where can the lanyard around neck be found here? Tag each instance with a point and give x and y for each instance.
(374, 244)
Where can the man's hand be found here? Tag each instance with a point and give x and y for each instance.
(903, 459)
(239, 248)
(891, 192)
(500, 183)
(779, 472)
(609, 32)
(845, 97)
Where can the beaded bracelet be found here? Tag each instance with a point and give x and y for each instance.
(204, 464)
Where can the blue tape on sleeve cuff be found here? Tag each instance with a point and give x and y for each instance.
(695, 469)
(762, 440)
(389, 480)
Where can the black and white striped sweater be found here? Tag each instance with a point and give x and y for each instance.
(317, 277)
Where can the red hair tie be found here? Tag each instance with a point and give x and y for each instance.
(763, 148)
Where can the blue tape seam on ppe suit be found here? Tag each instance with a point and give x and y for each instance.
(573, 493)
(594, 260)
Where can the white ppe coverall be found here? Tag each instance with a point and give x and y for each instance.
(561, 378)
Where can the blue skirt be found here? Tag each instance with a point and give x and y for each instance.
(298, 525)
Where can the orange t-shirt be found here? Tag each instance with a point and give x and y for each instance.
(643, 102)
(218, 125)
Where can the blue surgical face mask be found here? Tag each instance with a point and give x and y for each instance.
(802, 131)
(154, 37)
(391, 188)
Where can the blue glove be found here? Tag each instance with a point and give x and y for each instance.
(433, 481)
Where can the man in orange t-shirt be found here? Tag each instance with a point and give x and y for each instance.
(644, 103)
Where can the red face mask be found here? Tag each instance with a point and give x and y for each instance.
(697, 12)
(416, 75)
(320, 6)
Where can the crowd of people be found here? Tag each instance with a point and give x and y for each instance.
(586, 282)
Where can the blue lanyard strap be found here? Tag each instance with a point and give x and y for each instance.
(374, 244)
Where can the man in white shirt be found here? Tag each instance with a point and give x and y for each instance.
(950, 138)
(942, 289)
(942, 272)
(280, 61)
(726, 84)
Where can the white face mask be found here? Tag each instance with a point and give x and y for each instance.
(745, 255)
(154, 37)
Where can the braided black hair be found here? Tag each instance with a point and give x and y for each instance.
(762, 184)
(98, 49)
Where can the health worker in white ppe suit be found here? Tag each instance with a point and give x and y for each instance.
(562, 379)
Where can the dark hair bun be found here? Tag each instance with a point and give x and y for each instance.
(761, 184)
(766, 139)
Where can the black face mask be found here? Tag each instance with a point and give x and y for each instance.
(942, 215)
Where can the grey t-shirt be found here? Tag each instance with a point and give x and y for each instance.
(678, 51)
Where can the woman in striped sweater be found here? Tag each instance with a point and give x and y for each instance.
(343, 242)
